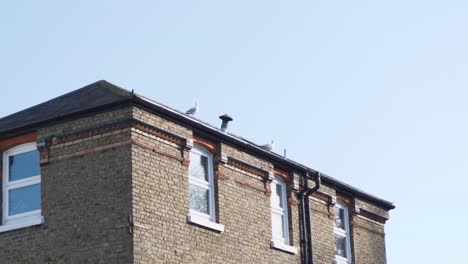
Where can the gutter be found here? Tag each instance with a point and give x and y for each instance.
(206, 128)
(242, 143)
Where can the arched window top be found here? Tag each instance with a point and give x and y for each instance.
(30, 146)
(17, 141)
(341, 204)
(201, 150)
(279, 179)
(207, 145)
(284, 175)
(21, 162)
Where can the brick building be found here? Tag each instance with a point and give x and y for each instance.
(102, 175)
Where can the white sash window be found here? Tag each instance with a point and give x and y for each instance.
(341, 232)
(21, 187)
(279, 211)
(201, 190)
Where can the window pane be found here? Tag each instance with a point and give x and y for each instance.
(277, 221)
(277, 196)
(24, 199)
(198, 166)
(340, 243)
(199, 199)
(339, 219)
(24, 165)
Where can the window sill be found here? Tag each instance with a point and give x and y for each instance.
(22, 224)
(283, 247)
(205, 223)
(341, 260)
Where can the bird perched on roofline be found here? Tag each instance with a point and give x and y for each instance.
(192, 111)
(268, 146)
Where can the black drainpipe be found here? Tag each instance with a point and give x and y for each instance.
(302, 221)
(306, 226)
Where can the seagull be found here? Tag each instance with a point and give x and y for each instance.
(269, 146)
(193, 110)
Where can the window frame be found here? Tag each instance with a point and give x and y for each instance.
(281, 211)
(343, 233)
(281, 243)
(195, 217)
(26, 218)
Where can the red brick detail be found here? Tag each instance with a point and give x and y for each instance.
(219, 175)
(210, 146)
(159, 134)
(18, 140)
(245, 167)
(90, 133)
(268, 189)
(321, 197)
(282, 174)
(148, 147)
(118, 126)
(344, 199)
(185, 153)
(110, 128)
(331, 214)
(292, 201)
(85, 152)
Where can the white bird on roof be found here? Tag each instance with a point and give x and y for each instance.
(193, 110)
(269, 146)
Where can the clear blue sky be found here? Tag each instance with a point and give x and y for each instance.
(373, 93)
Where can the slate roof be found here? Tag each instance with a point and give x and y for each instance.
(95, 95)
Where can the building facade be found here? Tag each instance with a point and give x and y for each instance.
(102, 175)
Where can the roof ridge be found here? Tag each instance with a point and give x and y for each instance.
(115, 89)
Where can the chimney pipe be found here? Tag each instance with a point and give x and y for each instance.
(226, 119)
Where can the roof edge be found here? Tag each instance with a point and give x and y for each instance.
(207, 128)
(257, 150)
(29, 127)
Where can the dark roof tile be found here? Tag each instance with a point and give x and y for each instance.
(95, 95)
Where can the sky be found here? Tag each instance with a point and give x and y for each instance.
(372, 93)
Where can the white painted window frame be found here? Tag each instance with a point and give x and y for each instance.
(207, 185)
(23, 219)
(281, 243)
(343, 233)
